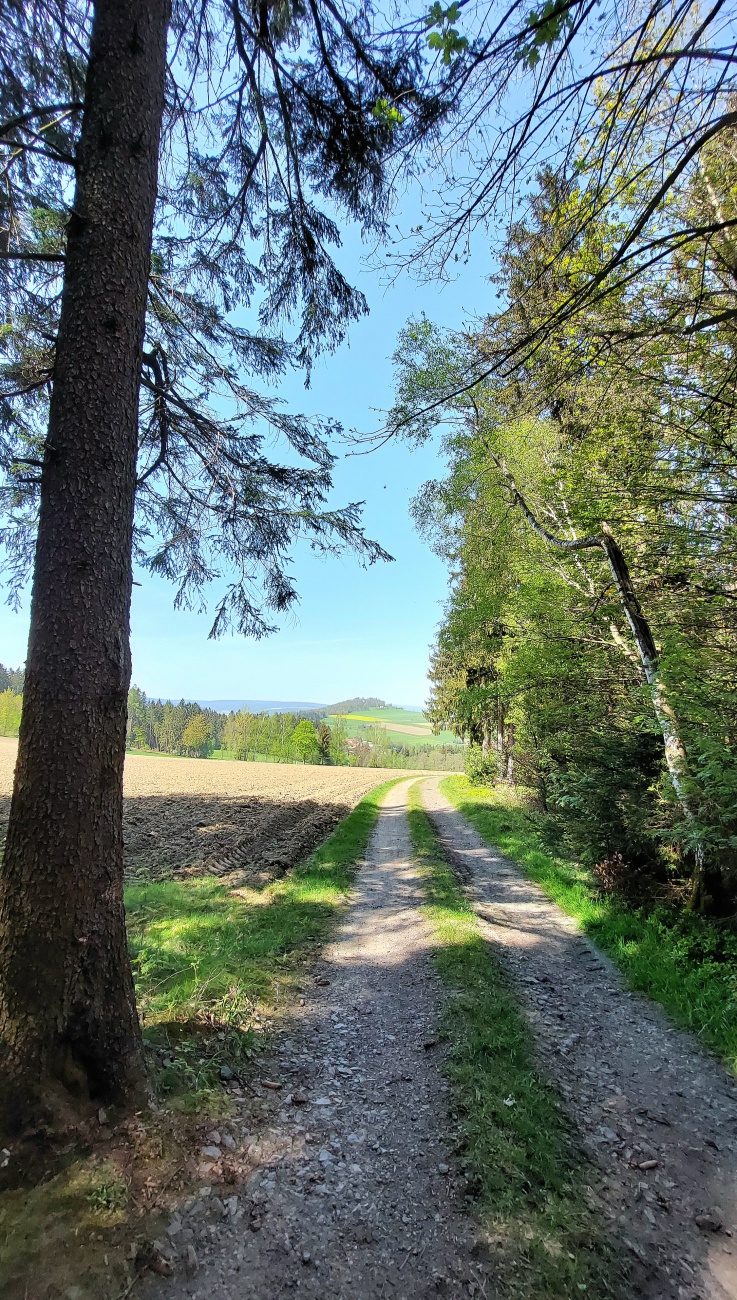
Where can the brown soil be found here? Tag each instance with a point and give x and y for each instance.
(189, 815)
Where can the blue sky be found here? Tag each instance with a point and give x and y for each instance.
(355, 631)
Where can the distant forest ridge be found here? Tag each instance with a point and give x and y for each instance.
(284, 736)
(252, 706)
(355, 705)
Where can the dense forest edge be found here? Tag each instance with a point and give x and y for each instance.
(588, 648)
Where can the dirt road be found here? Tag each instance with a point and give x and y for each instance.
(353, 1195)
(657, 1115)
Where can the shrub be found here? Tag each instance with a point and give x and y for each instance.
(481, 768)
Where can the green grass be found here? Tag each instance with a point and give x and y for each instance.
(410, 717)
(211, 962)
(682, 961)
(526, 1175)
(355, 728)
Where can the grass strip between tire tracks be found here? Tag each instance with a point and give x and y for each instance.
(686, 963)
(527, 1177)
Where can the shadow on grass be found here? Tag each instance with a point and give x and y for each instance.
(213, 965)
(686, 963)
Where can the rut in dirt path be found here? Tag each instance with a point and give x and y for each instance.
(353, 1197)
(655, 1113)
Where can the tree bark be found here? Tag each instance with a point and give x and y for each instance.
(69, 1030)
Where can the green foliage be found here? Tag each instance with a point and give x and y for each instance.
(304, 740)
(196, 736)
(517, 1144)
(163, 727)
(387, 113)
(256, 171)
(12, 679)
(324, 737)
(107, 1191)
(603, 801)
(447, 38)
(11, 706)
(608, 427)
(546, 27)
(685, 962)
(481, 768)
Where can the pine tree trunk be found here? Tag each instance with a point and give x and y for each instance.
(68, 1025)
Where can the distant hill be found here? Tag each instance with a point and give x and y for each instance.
(358, 703)
(258, 706)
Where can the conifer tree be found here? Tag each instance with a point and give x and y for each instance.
(164, 165)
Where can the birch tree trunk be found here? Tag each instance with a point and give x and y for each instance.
(709, 892)
(69, 1030)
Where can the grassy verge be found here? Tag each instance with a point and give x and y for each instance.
(682, 961)
(214, 967)
(527, 1177)
(214, 964)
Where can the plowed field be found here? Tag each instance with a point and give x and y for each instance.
(189, 815)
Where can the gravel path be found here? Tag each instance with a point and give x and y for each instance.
(657, 1115)
(352, 1194)
(349, 1192)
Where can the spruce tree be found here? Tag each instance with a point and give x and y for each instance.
(163, 167)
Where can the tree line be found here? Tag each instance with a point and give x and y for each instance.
(188, 729)
(589, 644)
(11, 699)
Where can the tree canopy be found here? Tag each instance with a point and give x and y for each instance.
(578, 447)
(633, 109)
(275, 120)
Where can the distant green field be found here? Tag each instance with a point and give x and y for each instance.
(357, 724)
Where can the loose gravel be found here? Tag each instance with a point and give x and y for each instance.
(349, 1190)
(353, 1193)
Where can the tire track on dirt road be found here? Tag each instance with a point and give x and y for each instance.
(655, 1113)
(352, 1195)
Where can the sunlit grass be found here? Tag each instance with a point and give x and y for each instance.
(210, 962)
(684, 962)
(526, 1175)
